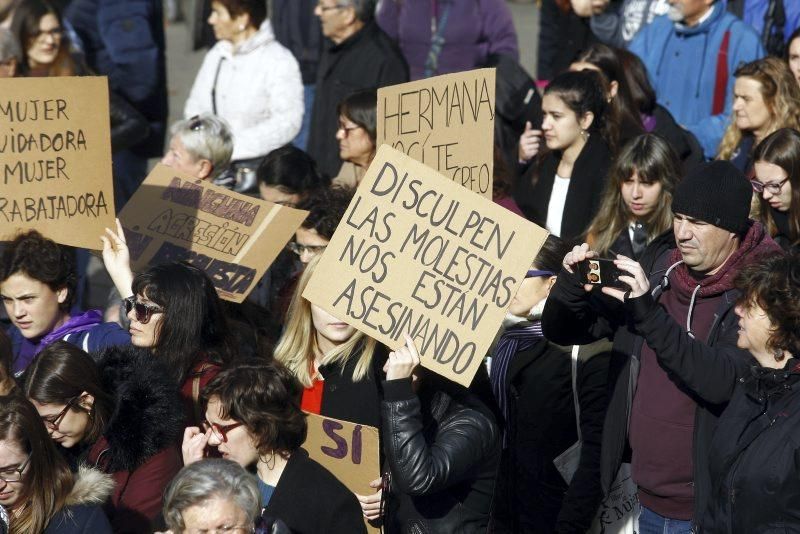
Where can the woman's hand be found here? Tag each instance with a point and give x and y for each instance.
(194, 444)
(636, 279)
(117, 259)
(371, 504)
(402, 362)
(529, 143)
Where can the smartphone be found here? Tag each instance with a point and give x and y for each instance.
(601, 272)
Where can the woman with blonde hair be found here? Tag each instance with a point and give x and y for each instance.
(766, 97)
(636, 204)
(338, 366)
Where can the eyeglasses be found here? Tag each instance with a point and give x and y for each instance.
(196, 123)
(142, 311)
(534, 273)
(773, 188)
(53, 421)
(15, 474)
(325, 8)
(299, 249)
(221, 432)
(55, 33)
(347, 129)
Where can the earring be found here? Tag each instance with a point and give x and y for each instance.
(585, 135)
(778, 355)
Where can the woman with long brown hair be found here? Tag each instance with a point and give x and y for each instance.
(777, 185)
(36, 485)
(636, 203)
(766, 97)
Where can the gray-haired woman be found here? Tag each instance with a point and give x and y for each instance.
(200, 146)
(212, 495)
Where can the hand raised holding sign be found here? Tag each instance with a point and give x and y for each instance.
(371, 504)
(117, 259)
(403, 361)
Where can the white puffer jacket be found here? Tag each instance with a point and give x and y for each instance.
(259, 92)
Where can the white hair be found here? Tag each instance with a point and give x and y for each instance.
(208, 137)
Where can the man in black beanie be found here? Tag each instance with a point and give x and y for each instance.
(675, 330)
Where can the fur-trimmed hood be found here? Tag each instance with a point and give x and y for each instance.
(91, 487)
(147, 416)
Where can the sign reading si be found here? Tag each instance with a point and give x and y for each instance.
(417, 253)
(233, 238)
(55, 159)
(350, 451)
(445, 122)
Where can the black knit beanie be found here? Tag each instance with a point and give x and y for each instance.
(717, 193)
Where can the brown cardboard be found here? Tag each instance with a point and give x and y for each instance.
(350, 451)
(234, 238)
(55, 159)
(445, 122)
(417, 253)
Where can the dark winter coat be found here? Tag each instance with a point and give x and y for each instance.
(586, 186)
(140, 444)
(368, 59)
(753, 464)
(82, 512)
(310, 500)
(124, 40)
(357, 402)
(562, 35)
(443, 451)
(532, 494)
(709, 368)
(298, 29)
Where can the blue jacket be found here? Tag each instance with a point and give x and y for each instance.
(682, 65)
(124, 40)
(754, 11)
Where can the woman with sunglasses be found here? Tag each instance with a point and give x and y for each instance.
(121, 415)
(532, 382)
(200, 147)
(777, 186)
(38, 284)
(253, 417)
(37, 488)
(356, 135)
(174, 311)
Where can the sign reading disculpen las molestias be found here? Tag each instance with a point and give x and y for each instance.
(416, 253)
(234, 238)
(55, 159)
(445, 122)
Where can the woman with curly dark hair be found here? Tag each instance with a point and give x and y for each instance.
(38, 285)
(253, 417)
(754, 451)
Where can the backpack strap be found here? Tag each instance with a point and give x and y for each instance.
(721, 83)
(736, 7)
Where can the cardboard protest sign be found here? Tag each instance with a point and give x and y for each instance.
(445, 122)
(417, 253)
(55, 159)
(350, 451)
(232, 237)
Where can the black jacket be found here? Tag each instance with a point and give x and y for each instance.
(357, 402)
(368, 59)
(755, 457)
(310, 500)
(140, 443)
(443, 451)
(298, 29)
(707, 367)
(532, 495)
(586, 186)
(562, 35)
(82, 510)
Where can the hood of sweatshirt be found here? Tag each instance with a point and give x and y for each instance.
(263, 36)
(717, 11)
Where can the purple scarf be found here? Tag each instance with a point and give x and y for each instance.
(77, 323)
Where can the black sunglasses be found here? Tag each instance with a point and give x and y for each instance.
(142, 311)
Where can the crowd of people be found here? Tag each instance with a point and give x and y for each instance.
(662, 152)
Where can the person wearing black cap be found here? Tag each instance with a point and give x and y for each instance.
(676, 362)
